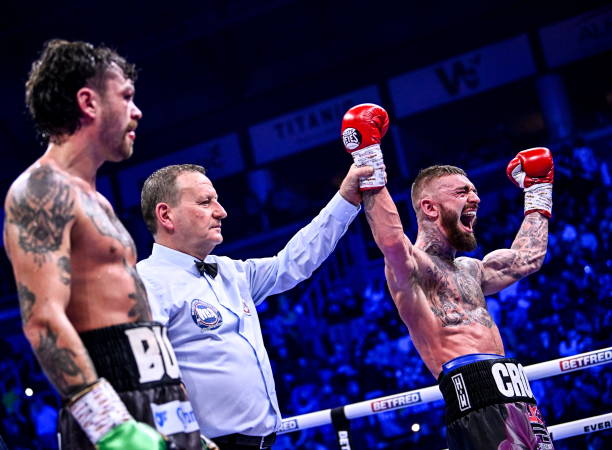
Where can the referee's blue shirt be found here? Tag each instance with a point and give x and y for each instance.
(213, 324)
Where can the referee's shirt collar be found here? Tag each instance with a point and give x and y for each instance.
(178, 258)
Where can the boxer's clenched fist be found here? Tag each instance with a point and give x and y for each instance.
(363, 127)
(533, 170)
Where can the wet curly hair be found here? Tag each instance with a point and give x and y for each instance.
(63, 68)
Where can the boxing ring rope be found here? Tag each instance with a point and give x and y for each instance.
(432, 393)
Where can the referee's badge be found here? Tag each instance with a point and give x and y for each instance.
(205, 315)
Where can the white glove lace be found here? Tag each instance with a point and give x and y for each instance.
(370, 156)
(99, 410)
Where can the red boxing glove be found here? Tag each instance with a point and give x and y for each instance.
(533, 170)
(363, 127)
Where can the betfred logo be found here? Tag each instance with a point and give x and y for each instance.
(586, 360)
(399, 401)
(289, 425)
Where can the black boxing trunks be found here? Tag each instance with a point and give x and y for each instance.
(489, 405)
(138, 361)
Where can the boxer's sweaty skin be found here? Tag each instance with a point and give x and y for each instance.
(440, 298)
(74, 263)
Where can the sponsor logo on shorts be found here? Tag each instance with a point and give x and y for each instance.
(586, 360)
(205, 315)
(289, 425)
(461, 391)
(533, 414)
(396, 402)
(351, 138)
(511, 380)
(153, 353)
(174, 417)
(539, 427)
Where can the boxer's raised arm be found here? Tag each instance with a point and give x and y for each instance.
(40, 212)
(532, 170)
(384, 220)
(506, 266)
(363, 127)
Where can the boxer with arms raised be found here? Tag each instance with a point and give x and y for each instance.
(83, 306)
(441, 297)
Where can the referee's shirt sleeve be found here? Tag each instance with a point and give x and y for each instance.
(304, 252)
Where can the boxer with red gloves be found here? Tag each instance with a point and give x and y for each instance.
(441, 297)
(533, 170)
(363, 126)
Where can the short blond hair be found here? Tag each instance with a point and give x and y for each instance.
(425, 176)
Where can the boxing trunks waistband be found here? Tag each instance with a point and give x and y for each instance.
(133, 356)
(474, 382)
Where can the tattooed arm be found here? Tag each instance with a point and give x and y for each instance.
(503, 267)
(388, 233)
(40, 212)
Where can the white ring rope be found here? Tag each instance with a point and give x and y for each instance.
(432, 393)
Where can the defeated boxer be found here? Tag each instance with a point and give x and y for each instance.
(441, 297)
(83, 306)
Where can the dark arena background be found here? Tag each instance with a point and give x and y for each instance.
(255, 91)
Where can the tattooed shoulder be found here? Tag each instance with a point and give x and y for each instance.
(470, 265)
(41, 208)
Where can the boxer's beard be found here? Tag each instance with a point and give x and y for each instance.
(461, 240)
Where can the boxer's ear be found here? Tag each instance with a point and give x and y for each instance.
(88, 102)
(430, 208)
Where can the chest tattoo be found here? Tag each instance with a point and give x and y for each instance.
(106, 222)
(455, 296)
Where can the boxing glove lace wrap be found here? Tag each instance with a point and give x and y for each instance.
(539, 198)
(370, 156)
(98, 409)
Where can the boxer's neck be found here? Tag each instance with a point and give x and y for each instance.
(433, 241)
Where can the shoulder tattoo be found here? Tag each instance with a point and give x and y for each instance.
(41, 212)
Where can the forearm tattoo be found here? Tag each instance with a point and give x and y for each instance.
(382, 216)
(527, 252)
(26, 301)
(59, 363)
(533, 234)
(42, 213)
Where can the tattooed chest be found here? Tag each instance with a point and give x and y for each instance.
(456, 299)
(106, 223)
